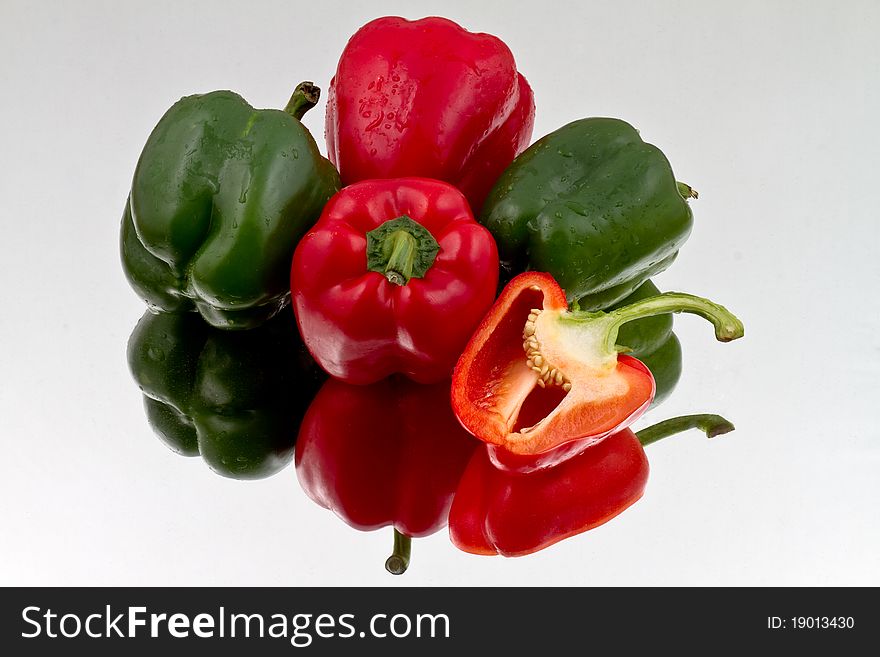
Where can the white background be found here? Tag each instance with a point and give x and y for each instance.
(767, 108)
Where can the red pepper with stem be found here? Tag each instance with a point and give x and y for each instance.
(385, 454)
(393, 277)
(540, 383)
(427, 98)
(512, 514)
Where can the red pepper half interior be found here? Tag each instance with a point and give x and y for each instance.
(540, 383)
(497, 395)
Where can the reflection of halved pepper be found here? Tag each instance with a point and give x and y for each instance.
(540, 383)
(390, 453)
(497, 512)
(235, 397)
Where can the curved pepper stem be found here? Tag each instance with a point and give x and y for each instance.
(398, 562)
(304, 98)
(727, 326)
(711, 425)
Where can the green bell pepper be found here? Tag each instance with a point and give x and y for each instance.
(235, 397)
(652, 341)
(593, 205)
(221, 195)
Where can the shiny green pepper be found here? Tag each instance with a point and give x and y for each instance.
(221, 195)
(235, 397)
(594, 206)
(652, 341)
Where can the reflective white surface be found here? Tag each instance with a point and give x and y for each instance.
(768, 109)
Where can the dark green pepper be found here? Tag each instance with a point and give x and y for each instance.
(235, 397)
(652, 341)
(221, 195)
(594, 206)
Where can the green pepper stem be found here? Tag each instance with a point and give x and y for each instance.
(403, 252)
(687, 191)
(727, 326)
(304, 98)
(401, 249)
(398, 562)
(711, 425)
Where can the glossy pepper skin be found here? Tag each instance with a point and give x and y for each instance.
(221, 194)
(594, 206)
(501, 513)
(427, 98)
(393, 278)
(540, 383)
(387, 454)
(234, 397)
(498, 512)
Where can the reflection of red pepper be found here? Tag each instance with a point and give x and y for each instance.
(393, 278)
(427, 98)
(497, 512)
(386, 454)
(540, 383)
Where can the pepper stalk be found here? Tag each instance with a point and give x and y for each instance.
(711, 425)
(401, 249)
(593, 335)
(303, 98)
(398, 562)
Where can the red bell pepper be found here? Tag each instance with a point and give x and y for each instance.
(427, 98)
(390, 453)
(393, 277)
(540, 383)
(498, 512)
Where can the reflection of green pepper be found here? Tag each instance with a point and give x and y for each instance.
(653, 342)
(236, 398)
(594, 206)
(220, 197)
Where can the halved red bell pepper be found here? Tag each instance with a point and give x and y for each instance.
(427, 98)
(393, 277)
(390, 453)
(512, 514)
(540, 383)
